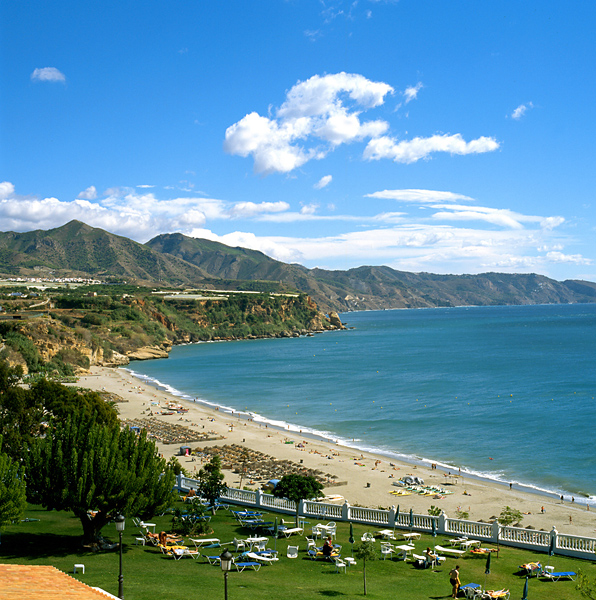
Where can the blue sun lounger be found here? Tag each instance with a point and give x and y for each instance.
(471, 590)
(556, 575)
(240, 566)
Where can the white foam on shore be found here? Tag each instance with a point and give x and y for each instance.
(327, 436)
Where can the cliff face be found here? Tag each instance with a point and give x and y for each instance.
(110, 329)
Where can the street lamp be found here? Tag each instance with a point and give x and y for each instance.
(119, 521)
(225, 560)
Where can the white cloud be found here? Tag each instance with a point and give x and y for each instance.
(6, 189)
(521, 110)
(47, 74)
(411, 93)
(418, 196)
(89, 194)
(323, 111)
(309, 209)
(559, 257)
(250, 209)
(145, 186)
(323, 182)
(496, 216)
(413, 150)
(456, 238)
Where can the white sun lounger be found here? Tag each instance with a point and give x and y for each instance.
(450, 551)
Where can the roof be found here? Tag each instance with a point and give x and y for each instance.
(44, 582)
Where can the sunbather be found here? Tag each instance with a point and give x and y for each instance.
(166, 538)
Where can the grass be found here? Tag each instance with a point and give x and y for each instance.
(54, 540)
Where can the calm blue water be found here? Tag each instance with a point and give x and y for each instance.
(502, 392)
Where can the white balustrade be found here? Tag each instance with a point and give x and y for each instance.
(531, 539)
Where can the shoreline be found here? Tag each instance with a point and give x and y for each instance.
(369, 475)
(391, 455)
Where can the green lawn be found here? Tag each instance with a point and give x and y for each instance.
(54, 540)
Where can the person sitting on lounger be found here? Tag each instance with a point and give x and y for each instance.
(327, 547)
(166, 538)
(430, 556)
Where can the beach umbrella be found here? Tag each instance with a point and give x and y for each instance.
(411, 518)
(351, 539)
(275, 533)
(487, 569)
(434, 525)
(525, 593)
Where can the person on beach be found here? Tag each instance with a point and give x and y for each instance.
(454, 581)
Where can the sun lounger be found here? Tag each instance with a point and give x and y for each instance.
(288, 532)
(182, 552)
(532, 568)
(213, 560)
(240, 566)
(261, 557)
(556, 575)
(471, 590)
(450, 551)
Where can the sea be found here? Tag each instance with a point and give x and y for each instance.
(504, 393)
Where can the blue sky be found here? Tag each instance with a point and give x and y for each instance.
(446, 137)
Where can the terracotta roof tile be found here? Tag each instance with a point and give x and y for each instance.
(43, 582)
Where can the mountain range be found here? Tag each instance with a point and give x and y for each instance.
(175, 260)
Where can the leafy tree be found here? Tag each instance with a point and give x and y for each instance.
(365, 551)
(211, 481)
(190, 520)
(20, 413)
(297, 487)
(60, 401)
(24, 413)
(586, 587)
(434, 511)
(510, 515)
(12, 489)
(97, 471)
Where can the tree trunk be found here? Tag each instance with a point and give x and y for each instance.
(92, 526)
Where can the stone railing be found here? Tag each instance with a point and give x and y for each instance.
(530, 539)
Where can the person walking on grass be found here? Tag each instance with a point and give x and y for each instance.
(454, 581)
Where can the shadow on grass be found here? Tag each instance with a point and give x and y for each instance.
(331, 593)
(42, 545)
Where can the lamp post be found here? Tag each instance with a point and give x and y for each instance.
(226, 565)
(119, 521)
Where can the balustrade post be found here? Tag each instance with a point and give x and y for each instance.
(258, 498)
(345, 511)
(301, 508)
(496, 532)
(442, 524)
(391, 516)
(554, 540)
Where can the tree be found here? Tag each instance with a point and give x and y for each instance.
(586, 587)
(434, 511)
(297, 487)
(211, 481)
(12, 489)
(510, 515)
(20, 413)
(365, 551)
(24, 413)
(97, 471)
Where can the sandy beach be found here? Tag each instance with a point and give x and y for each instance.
(368, 477)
